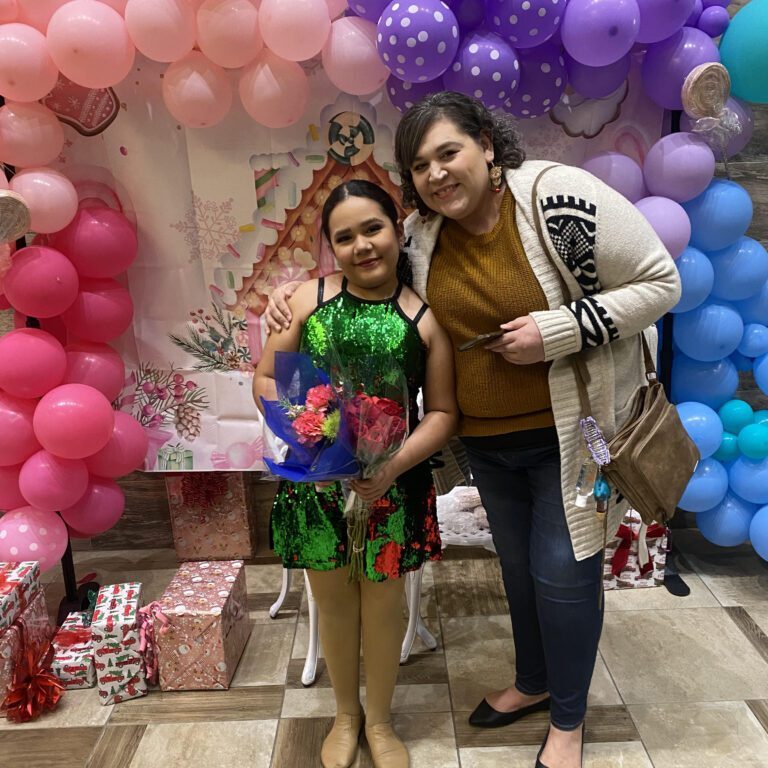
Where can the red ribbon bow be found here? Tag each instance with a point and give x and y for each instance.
(66, 638)
(627, 536)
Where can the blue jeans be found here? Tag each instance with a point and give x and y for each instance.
(553, 599)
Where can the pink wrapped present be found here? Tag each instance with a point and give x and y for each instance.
(19, 582)
(211, 516)
(120, 672)
(10, 650)
(73, 652)
(636, 556)
(204, 627)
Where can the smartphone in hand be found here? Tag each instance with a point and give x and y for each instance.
(481, 339)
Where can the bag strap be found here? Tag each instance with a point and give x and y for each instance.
(580, 369)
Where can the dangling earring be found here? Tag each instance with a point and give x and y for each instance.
(494, 177)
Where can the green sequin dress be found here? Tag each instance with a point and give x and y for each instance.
(308, 527)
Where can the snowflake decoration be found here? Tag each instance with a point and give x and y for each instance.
(209, 228)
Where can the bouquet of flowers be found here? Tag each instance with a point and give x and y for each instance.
(308, 417)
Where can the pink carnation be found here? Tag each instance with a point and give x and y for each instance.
(309, 427)
(320, 396)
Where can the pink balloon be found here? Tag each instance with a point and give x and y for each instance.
(336, 8)
(51, 483)
(350, 58)
(51, 198)
(620, 172)
(73, 421)
(3, 180)
(228, 32)
(297, 30)
(125, 450)
(27, 72)
(52, 325)
(31, 362)
(38, 12)
(89, 43)
(118, 5)
(274, 91)
(19, 441)
(100, 242)
(102, 311)
(30, 134)
(41, 282)
(196, 91)
(669, 220)
(163, 30)
(10, 495)
(27, 533)
(98, 510)
(97, 365)
(9, 11)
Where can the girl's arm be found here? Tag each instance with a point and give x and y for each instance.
(303, 301)
(441, 414)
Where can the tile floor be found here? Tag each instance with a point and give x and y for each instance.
(679, 682)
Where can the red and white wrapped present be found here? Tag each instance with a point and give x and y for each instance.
(73, 651)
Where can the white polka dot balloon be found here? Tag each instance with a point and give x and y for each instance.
(404, 95)
(417, 40)
(485, 67)
(542, 81)
(524, 23)
(31, 534)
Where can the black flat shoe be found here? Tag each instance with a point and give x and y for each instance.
(485, 716)
(539, 764)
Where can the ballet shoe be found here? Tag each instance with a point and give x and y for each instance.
(339, 749)
(386, 748)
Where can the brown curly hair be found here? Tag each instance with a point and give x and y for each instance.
(471, 116)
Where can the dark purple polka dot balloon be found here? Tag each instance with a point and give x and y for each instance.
(417, 40)
(525, 23)
(485, 67)
(542, 81)
(404, 95)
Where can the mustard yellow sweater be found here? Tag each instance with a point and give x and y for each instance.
(477, 282)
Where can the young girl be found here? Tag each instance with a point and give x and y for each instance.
(368, 315)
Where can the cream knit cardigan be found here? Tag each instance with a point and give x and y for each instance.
(609, 255)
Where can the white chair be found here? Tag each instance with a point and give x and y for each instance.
(416, 626)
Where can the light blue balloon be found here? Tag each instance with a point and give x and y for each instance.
(749, 479)
(727, 525)
(754, 342)
(703, 426)
(740, 269)
(710, 383)
(758, 532)
(706, 488)
(696, 279)
(719, 216)
(709, 332)
(741, 362)
(760, 371)
(755, 308)
(761, 417)
(744, 52)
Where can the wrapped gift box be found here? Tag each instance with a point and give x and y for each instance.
(73, 652)
(211, 516)
(173, 458)
(19, 582)
(120, 672)
(10, 650)
(202, 627)
(636, 556)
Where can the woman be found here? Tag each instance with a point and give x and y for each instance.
(366, 315)
(477, 258)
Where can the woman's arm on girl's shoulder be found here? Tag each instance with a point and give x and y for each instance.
(441, 413)
(301, 304)
(278, 314)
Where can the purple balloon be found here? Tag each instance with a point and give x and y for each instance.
(597, 82)
(669, 220)
(599, 32)
(661, 18)
(679, 166)
(618, 171)
(469, 13)
(485, 67)
(542, 81)
(695, 13)
(525, 23)
(714, 20)
(404, 95)
(417, 42)
(368, 9)
(740, 140)
(669, 62)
